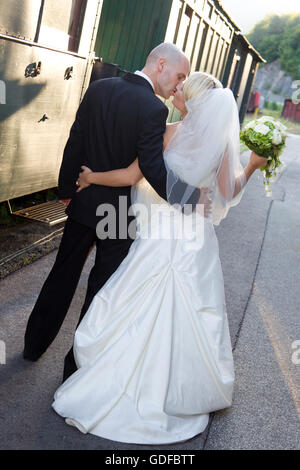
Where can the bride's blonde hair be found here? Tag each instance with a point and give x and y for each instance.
(197, 83)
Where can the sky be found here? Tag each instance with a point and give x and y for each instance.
(246, 13)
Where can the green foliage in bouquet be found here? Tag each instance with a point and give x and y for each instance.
(262, 144)
(267, 138)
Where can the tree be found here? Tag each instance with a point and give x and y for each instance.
(290, 52)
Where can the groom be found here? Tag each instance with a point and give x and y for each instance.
(117, 120)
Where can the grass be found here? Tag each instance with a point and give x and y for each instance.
(293, 127)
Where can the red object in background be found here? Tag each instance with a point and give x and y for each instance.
(254, 101)
(65, 202)
(291, 111)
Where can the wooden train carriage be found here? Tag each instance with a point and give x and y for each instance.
(129, 29)
(46, 52)
(46, 60)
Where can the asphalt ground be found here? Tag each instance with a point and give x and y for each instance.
(260, 255)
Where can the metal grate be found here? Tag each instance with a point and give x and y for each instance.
(50, 213)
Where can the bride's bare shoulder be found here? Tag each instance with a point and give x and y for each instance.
(170, 130)
(172, 125)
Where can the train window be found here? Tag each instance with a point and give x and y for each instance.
(208, 9)
(221, 25)
(174, 21)
(217, 56)
(222, 61)
(62, 24)
(207, 37)
(214, 18)
(188, 11)
(199, 4)
(234, 73)
(197, 45)
(19, 18)
(201, 44)
(227, 32)
(184, 28)
(211, 53)
(192, 37)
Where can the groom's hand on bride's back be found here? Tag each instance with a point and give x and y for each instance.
(204, 203)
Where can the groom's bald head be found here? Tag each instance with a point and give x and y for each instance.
(167, 50)
(167, 66)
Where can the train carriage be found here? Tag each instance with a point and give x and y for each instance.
(202, 28)
(46, 55)
(50, 49)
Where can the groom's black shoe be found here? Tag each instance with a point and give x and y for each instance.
(30, 357)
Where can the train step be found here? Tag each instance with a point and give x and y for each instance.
(49, 213)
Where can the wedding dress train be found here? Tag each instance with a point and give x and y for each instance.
(153, 351)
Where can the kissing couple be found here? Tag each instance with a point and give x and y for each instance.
(152, 355)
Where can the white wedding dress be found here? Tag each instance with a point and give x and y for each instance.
(153, 351)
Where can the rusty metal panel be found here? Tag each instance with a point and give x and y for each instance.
(37, 115)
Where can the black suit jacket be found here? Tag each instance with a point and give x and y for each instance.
(118, 120)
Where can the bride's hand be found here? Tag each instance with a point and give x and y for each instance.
(83, 179)
(257, 162)
(205, 200)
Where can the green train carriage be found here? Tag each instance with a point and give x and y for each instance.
(129, 29)
(49, 50)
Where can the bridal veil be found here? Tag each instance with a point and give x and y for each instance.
(205, 152)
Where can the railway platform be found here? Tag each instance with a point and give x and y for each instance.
(260, 255)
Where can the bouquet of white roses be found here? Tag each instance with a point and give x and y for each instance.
(266, 137)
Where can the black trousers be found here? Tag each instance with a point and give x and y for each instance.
(58, 290)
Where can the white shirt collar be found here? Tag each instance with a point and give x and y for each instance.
(142, 74)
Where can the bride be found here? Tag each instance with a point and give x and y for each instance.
(153, 351)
